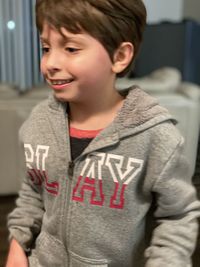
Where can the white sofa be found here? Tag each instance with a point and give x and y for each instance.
(14, 109)
(182, 100)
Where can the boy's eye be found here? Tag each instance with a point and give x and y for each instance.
(71, 49)
(45, 50)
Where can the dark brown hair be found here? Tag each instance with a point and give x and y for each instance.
(111, 22)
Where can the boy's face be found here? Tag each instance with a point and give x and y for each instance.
(76, 66)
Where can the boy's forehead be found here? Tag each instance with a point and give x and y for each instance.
(63, 34)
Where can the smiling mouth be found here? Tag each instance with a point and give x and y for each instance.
(61, 82)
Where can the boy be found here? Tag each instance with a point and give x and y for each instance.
(96, 158)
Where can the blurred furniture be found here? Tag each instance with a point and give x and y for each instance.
(14, 109)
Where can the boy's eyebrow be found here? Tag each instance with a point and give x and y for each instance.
(64, 40)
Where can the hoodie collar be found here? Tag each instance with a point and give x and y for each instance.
(140, 110)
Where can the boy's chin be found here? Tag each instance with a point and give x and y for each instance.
(60, 97)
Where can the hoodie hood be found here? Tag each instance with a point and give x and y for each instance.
(140, 109)
(139, 112)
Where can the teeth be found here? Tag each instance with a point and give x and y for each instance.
(60, 82)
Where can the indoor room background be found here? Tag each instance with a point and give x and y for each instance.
(168, 67)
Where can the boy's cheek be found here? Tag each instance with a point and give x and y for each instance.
(43, 69)
(42, 66)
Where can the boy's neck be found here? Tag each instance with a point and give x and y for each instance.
(96, 114)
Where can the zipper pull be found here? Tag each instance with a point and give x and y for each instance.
(70, 169)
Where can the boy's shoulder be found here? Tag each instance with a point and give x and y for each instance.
(39, 115)
(156, 120)
(166, 139)
(166, 133)
(39, 110)
(44, 107)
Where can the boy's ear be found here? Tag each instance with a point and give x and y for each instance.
(122, 57)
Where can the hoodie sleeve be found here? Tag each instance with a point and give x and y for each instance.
(174, 238)
(24, 222)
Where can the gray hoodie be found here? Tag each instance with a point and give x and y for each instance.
(97, 210)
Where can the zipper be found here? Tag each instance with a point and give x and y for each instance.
(66, 224)
(66, 216)
(66, 220)
(71, 169)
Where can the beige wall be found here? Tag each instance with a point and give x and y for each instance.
(164, 10)
(191, 9)
(172, 10)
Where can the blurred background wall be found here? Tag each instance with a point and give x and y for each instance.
(191, 9)
(160, 10)
(173, 10)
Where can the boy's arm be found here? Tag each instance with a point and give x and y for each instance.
(16, 255)
(174, 238)
(24, 222)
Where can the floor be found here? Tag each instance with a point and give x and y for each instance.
(7, 204)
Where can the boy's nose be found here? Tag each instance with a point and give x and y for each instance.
(53, 62)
